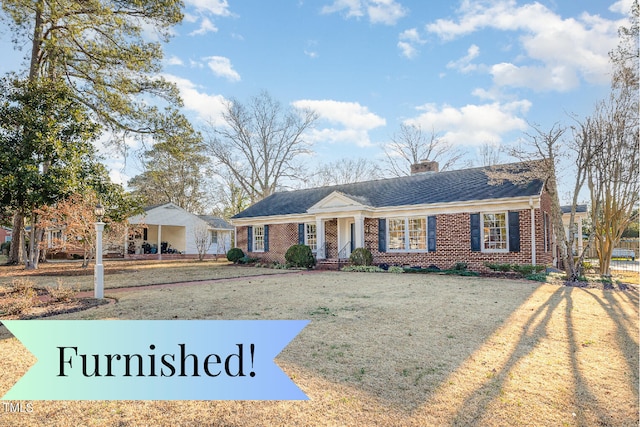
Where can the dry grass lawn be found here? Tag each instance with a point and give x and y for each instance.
(392, 350)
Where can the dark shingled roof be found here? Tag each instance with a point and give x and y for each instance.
(216, 222)
(579, 209)
(427, 188)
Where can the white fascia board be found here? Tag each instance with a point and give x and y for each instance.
(486, 205)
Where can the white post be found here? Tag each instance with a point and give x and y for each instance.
(98, 278)
(320, 253)
(159, 241)
(359, 231)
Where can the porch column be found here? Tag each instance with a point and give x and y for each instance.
(359, 231)
(533, 236)
(320, 239)
(159, 241)
(125, 253)
(579, 235)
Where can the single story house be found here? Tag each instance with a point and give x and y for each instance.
(429, 218)
(169, 229)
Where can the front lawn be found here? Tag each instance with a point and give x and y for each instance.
(393, 350)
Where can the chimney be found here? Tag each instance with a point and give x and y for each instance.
(424, 166)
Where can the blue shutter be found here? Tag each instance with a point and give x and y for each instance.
(301, 234)
(249, 239)
(382, 235)
(514, 232)
(475, 232)
(431, 234)
(266, 238)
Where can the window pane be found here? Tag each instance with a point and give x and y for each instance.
(418, 233)
(311, 236)
(396, 234)
(258, 238)
(495, 231)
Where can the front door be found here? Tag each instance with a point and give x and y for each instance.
(346, 234)
(352, 233)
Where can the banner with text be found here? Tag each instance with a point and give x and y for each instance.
(155, 359)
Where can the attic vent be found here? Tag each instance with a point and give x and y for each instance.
(424, 166)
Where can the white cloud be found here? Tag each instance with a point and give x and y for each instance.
(206, 26)
(473, 124)
(174, 60)
(464, 64)
(349, 122)
(386, 12)
(214, 7)
(222, 67)
(209, 108)
(408, 41)
(562, 50)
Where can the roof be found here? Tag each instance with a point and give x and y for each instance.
(216, 222)
(427, 188)
(579, 209)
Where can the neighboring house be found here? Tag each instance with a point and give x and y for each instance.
(5, 234)
(169, 229)
(580, 216)
(430, 218)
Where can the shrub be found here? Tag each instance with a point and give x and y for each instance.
(247, 260)
(363, 268)
(21, 298)
(528, 269)
(459, 266)
(395, 269)
(361, 256)
(235, 254)
(538, 277)
(61, 293)
(300, 256)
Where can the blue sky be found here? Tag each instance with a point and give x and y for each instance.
(474, 71)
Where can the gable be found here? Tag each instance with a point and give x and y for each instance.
(338, 202)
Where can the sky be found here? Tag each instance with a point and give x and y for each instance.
(473, 71)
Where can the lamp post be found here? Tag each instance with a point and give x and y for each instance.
(98, 277)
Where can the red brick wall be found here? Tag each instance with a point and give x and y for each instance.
(281, 237)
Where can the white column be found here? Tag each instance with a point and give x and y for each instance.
(126, 243)
(359, 231)
(98, 275)
(533, 236)
(320, 254)
(159, 241)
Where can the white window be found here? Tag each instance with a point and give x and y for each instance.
(311, 236)
(494, 227)
(213, 236)
(407, 234)
(396, 234)
(258, 238)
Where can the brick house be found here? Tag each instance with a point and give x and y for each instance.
(429, 218)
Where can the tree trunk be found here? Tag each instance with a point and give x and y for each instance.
(16, 252)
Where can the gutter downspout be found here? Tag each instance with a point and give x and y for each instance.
(533, 232)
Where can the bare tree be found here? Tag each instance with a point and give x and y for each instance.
(261, 143)
(202, 239)
(345, 171)
(412, 145)
(227, 196)
(488, 154)
(546, 148)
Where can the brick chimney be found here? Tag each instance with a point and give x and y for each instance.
(424, 166)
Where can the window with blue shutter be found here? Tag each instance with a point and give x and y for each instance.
(475, 232)
(514, 232)
(266, 238)
(382, 235)
(249, 239)
(431, 233)
(301, 233)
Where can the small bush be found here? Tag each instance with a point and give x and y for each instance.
(247, 260)
(363, 269)
(395, 269)
(235, 254)
(361, 256)
(21, 298)
(460, 266)
(538, 277)
(300, 256)
(61, 293)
